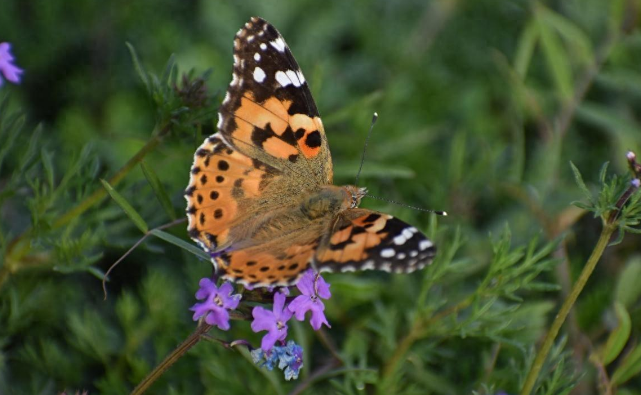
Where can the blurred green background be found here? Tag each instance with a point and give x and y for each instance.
(482, 105)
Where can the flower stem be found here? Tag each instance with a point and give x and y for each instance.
(539, 360)
(191, 341)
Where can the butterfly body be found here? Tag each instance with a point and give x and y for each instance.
(260, 197)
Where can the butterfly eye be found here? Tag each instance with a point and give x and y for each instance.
(354, 201)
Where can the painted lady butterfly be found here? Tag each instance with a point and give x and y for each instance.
(260, 195)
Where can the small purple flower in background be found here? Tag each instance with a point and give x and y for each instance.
(274, 322)
(311, 287)
(10, 71)
(289, 358)
(218, 301)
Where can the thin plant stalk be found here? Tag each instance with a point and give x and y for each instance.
(175, 355)
(548, 342)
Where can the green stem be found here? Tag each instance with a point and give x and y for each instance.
(191, 341)
(539, 360)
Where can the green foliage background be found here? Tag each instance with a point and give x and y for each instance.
(482, 106)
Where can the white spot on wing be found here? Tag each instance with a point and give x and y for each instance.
(219, 125)
(388, 253)
(279, 44)
(424, 245)
(369, 265)
(234, 79)
(257, 56)
(226, 99)
(259, 75)
(283, 79)
(250, 38)
(413, 253)
(293, 77)
(400, 255)
(300, 77)
(263, 46)
(347, 268)
(407, 233)
(385, 267)
(400, 239)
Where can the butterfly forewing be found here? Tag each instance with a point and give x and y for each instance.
(269, 113)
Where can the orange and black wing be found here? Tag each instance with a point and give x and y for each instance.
(269, 113)
(367, 240)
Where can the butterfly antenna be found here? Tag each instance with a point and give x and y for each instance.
(443, 213)
(374, 119)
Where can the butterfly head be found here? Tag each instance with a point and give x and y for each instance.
(356, 194)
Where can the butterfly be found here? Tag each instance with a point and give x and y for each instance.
(260, 198)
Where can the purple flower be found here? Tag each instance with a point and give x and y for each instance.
(289, 359)
(274, 322)
(311, 286)
(218, 301)
(10, 71)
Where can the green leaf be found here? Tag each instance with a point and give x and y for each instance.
(158, 189)
(181, 243)
(556, 59)
(579, 42)
(47, 164)
(628, 291)
(127, 208)
(166, 75)
(629, 367)
(579, 181)
(34, 143)
(603, 172)
(619, 336)
(525, 49)
(144, 77)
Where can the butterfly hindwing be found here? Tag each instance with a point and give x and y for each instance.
(223, 185)
(363, 239)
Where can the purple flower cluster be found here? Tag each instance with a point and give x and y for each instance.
(10, 71)
(312, 287)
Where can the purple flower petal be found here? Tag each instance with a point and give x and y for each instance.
(318, 319)
(264, 320)
(312, 288)
(10, 71)
(274, 322)
(306, 283)
(218, 317)
(323, 288)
